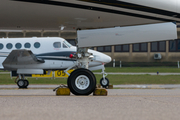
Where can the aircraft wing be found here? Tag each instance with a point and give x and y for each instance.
(21, 57)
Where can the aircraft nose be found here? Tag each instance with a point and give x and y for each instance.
(106, 59)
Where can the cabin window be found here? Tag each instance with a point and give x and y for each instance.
(36, 44)
(27, 45)
(57, 44)
(9, 46)
(18, 45)
(1, 46)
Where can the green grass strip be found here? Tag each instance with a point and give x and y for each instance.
(142, 69)
(114, 79)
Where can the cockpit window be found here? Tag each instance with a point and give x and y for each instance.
(67, 44)
(57, 44)
(64, 46)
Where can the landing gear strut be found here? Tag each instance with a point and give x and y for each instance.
(104, 81)
(82, 81)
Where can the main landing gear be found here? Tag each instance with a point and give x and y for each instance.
(22, 82)
(82, 81)
(104, 81)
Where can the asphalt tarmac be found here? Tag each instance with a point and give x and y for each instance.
(120, 104)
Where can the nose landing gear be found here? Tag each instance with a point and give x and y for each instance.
(104, 82)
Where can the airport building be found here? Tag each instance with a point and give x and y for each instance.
(160, 51)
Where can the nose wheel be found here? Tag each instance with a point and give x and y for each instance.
(104, 82)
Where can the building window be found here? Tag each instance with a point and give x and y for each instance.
(140, 47)
(27, 45)
(100, 49)
(174, 46)
(162, 46)
(104, 49)
(107, 49)
(18, 45)
(1, 46)
(158, 46)
(154, 46)
(36, 44)
(121, 48)
(9, 46)
(92, 48)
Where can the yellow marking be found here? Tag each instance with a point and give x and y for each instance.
(38, 75)
(61, 73)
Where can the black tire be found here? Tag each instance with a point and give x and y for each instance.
(81, 82)
(21, 83)
(26, 83)
(104, 84)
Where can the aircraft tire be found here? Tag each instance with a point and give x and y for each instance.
(21, 83)
(81, 82)
(26, 83)
(105, 83)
